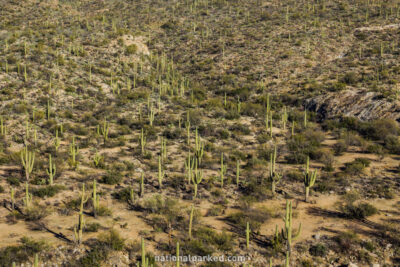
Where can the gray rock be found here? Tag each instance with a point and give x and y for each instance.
(317, 236)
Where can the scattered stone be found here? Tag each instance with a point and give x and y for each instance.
(317, 236)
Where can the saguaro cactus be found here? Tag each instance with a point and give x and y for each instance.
(73, 151)
(27, 160)
(237, 172)
(222, 170)
(274, 177)
(12, 195)
(104, 130)
(28, 196)
(161, 173)
(309, 179)
(163, 149)
(196, 178)
(189, 165)
(151, 115)
(191, 222)
(142, 140)
(56, 141)
(143, 251)
(95, 199)
(287, 232)
(177, 255)
(36, 261)
(3, 128)
(199, 148)
(78, 230)
(51, 171)
(142, 185)
(284, 118)
(247, 235)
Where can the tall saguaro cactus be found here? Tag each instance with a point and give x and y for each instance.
(274, 177)
(78, 230)
(309, 179)
(247, 235)
(191, 221)
(197, 177)
(287, 232)
(142, 140)
(189, 165)
(161, 173)
(27, 160)
(104, 130)
(73, 151)
(51, 171)
(222, 170)
(95, 199)
(28, 196)
(237, 172)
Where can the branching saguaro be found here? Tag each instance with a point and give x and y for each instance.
(309, 179)
(51, 171)
(197, 177)
(27, 160)
(287, 233)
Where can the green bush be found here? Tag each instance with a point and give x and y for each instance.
(356, 166)
(112, 177)
(122, 195)
(92, 227)
(319, 250)
(359, 211)
(21, 253)
(131, 49)
(48, 191)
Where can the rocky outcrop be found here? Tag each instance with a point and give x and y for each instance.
(354, 103)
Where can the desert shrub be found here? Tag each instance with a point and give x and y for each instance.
(295, 176)
(48, 191)
(340, 147)
(392, 144)
(197, 247)
(131, 49)
(221, 241)
(35, 212)
(122, 195)
(350, 78)
(336, 86)
(319, 250)
(255, 217)
(377, 150)
(346, 241)
(216, 210)
(92, 227)
(356, 166)
(359, 211)
(112, 177)
(22, 252)
(113, 240)
(303, 145)
(1, 189)
(252, 188)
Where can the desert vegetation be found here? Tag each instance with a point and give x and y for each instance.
(261, 128)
